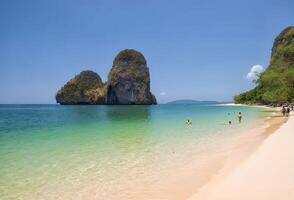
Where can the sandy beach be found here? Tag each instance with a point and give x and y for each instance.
(267, 174)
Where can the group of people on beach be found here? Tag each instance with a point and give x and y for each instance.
(286, 109)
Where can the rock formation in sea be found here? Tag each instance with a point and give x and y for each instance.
(129, 80)
(85, 88)
(128, 83)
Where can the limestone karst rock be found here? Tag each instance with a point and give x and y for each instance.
(128, 83)
(85, 88)
(129, 80)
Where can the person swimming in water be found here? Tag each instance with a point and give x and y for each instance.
(240, 117)
(189, 122)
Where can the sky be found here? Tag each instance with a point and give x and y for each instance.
(195, 49)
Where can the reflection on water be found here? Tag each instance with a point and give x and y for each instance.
(130, 113)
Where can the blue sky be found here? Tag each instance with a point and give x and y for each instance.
(195, 49)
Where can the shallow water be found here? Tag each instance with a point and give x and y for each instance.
(113, 152)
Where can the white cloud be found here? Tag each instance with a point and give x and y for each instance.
(162, 93)
(254, 72)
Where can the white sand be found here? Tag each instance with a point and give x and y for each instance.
(268, 174)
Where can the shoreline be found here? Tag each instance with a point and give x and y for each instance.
(246, 177)
(231, 155)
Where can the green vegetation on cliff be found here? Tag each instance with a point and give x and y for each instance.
(129, 55)
(85, 88)
(276, 84)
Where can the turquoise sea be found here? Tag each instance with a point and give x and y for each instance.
(114, 152)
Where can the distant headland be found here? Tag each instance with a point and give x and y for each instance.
(128, 84)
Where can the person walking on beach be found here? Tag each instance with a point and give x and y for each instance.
(288, 111)
(283, 110)
(240, 117)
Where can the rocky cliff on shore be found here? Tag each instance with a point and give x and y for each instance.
(128, 83)
(276, 84)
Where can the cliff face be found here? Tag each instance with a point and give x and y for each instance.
(129, 80)
(285, 38)
(85, 88)
(128, 83)
(282, 57)
(276, 84)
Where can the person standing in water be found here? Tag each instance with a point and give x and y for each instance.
(189, 122)
(240, 117)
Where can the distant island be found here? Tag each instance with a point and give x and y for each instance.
(190, 101)
(275, 85)
(128, 83)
